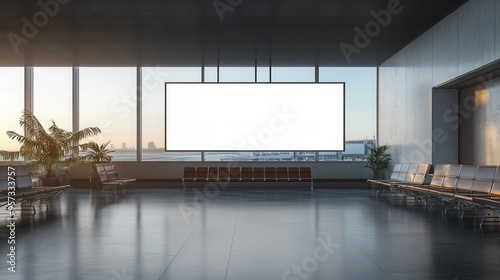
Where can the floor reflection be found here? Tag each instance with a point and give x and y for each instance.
(245, 234)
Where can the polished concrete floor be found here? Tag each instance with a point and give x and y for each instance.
(245, 234)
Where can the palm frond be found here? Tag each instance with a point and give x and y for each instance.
(15, 136)
(97, 153)
(32, 126)
(57, 132)
(84, 133)
(90, 145)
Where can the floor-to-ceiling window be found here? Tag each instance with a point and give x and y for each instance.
(263, 74)
(292, 74)
(108, 100)
(52, 95)
(12, 105)
(153, 111)
(360, 110)
(209, 74)
(236, 74)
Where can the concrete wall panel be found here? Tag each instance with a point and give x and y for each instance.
(418, 100)
(445, 50)
(497, 29)
(392, 103)
(476, 33)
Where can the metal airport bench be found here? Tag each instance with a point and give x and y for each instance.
(247, 174)
(16, 187)
(404, 175)
(109, 178)
(458, 187)
(466, 187)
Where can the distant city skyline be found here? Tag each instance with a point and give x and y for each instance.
(150, 146)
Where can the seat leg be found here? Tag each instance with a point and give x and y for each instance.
(114, 191)
(103, 189)
(122, 187)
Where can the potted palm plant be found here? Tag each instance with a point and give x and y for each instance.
(378, 160)
(96, 154)
(53, 152)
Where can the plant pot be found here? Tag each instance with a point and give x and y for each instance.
(94, 181)
(49, 181)
(377, 176)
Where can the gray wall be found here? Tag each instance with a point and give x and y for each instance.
(445, 126)
(463, 41)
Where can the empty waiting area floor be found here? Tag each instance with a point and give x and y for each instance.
(245, 234)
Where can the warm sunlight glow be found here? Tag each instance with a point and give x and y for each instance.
(481, 97)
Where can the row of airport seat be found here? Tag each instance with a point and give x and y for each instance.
(247, 174)
(451, 184)
(405, 173)
(23, 193)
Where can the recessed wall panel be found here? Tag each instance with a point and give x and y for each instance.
(480, 124)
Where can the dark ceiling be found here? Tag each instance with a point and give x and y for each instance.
(187, 32)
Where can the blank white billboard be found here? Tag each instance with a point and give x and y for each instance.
(254, 116)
